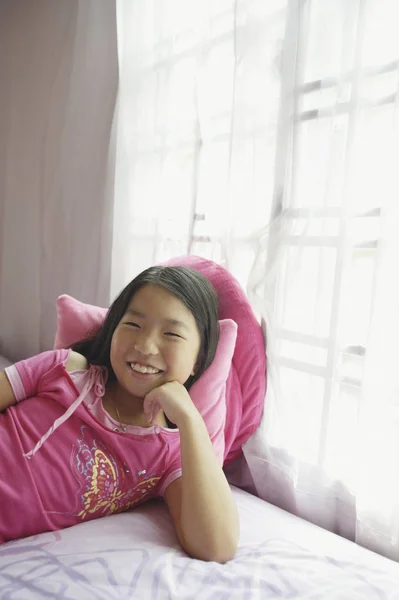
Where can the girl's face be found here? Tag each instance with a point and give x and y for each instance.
(156, 341)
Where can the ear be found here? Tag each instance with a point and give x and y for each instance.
(195, 367)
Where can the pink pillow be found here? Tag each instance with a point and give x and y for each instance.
(77, 320)
(209, 392)
(246, 383)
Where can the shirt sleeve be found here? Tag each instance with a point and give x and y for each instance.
(25, 375)
(173, 468)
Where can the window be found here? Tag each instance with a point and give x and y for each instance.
(201, 85)
(341, 172)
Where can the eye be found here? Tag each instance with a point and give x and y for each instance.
(170, 333)
(132, 324)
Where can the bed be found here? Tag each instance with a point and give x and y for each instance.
(136, 555)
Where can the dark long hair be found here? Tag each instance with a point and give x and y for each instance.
(190, 287)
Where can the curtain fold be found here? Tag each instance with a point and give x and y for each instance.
(324, 281)
(198, 111)
(59, 75)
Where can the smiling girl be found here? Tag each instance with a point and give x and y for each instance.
(108, 424)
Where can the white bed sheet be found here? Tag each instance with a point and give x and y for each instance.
(136, 555)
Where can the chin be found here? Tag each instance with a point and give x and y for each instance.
(140, 391)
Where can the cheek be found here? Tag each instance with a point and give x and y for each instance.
(190, 360)
(117, 346)
(112, 354)
(181, 364)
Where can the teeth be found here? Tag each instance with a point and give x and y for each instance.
(143, 369)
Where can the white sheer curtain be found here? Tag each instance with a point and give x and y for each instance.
(325, 279)
(237, 116)
(58, 85)
(198, 112)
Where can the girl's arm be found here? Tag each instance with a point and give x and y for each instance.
(34, 368)
(201, 502)
(7, 397)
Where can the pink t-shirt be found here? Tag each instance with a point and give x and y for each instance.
(86, 468)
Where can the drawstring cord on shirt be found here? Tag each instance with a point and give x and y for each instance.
(97, 377)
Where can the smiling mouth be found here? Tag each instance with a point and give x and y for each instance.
(144, 369)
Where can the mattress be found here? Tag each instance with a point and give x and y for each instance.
(136, 555)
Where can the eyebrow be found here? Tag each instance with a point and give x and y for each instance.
(175, 322)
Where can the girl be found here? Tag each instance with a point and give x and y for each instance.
(130, 430)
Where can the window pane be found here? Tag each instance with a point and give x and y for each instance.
(176, 189)
(357, 297)
(312, 226)
(306, 290)
(178, 110)
(318, 170)
(303, 352)
(376, 88)
(330, 34)
(216, 84)
(302, 409)
(211, 186)
(380, 34)
(341, 461)
(144, 199)
(374, 160)
(212, 251)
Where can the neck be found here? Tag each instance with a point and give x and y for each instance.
(126, 408)
(127, 404)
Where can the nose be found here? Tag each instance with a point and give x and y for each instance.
(145, 343)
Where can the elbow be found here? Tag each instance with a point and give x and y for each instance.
(221, 556)
(220, 552)
(215, 540)
(217, 555)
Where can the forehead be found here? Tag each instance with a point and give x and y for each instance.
(154, 301)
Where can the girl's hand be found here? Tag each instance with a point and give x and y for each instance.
(173, 399)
